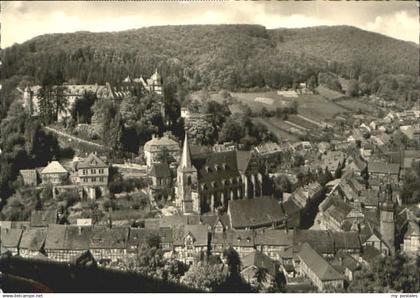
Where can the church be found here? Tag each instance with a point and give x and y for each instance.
(206, 182)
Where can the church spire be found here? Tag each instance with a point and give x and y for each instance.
(186, 155)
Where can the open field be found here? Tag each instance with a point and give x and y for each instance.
(302, 122)
(318, 108)
(257, 100)
(277, 127)
(356, 104)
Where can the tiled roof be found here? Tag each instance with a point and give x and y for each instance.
(210, 166)
(92, 161)
(77, 237)
(370, 253)
(42, 218)
(384, 168)
(274, 237)
(319, 240)
(346, 240)
(164, 141)
(179, 220)
(259, 260)
(240, 238)
(104, 237)
(68, 237)
(243, 158)
(317, 264)
(412, 229)
(10, 237)
(255, 212)
(54, 167)
(212, 220)
(55, 237)
(290, 207)
(198, 232)
(33, 239)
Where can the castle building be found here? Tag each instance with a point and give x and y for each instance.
(155, 83)
(206, 182)
(387, 220)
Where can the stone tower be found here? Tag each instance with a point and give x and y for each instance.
(387, 219)
(27, 99)
(187, 195)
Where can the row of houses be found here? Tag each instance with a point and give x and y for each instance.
(88, 175)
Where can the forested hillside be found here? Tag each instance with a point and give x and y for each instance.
(233, 57)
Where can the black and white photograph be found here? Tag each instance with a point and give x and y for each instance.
(209, 147)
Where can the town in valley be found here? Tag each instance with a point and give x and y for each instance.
(202, 174)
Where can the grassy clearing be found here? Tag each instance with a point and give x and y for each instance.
(302, 122)
(277, 127)
(356, 105)
(270, 100)
(318, 108)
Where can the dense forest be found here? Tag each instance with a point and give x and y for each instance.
(232, 57)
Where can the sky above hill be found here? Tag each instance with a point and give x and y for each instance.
(21, 20)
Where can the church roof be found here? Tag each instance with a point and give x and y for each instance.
(186, 156)
(216, 166)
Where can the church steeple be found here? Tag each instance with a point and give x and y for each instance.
(186, 155)
(186, 192)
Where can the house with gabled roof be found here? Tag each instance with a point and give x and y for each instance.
(54, 173)
(32, 242)
(156, 146)
(242, 241)
(319, 240)
(29, 177)
(411, 244)
(63, 243)
(318, 270)
(253, 263)
(383, 172)
(109, 245)
(273, 242)
(10, 239)
(93, 175)
(191, 243)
